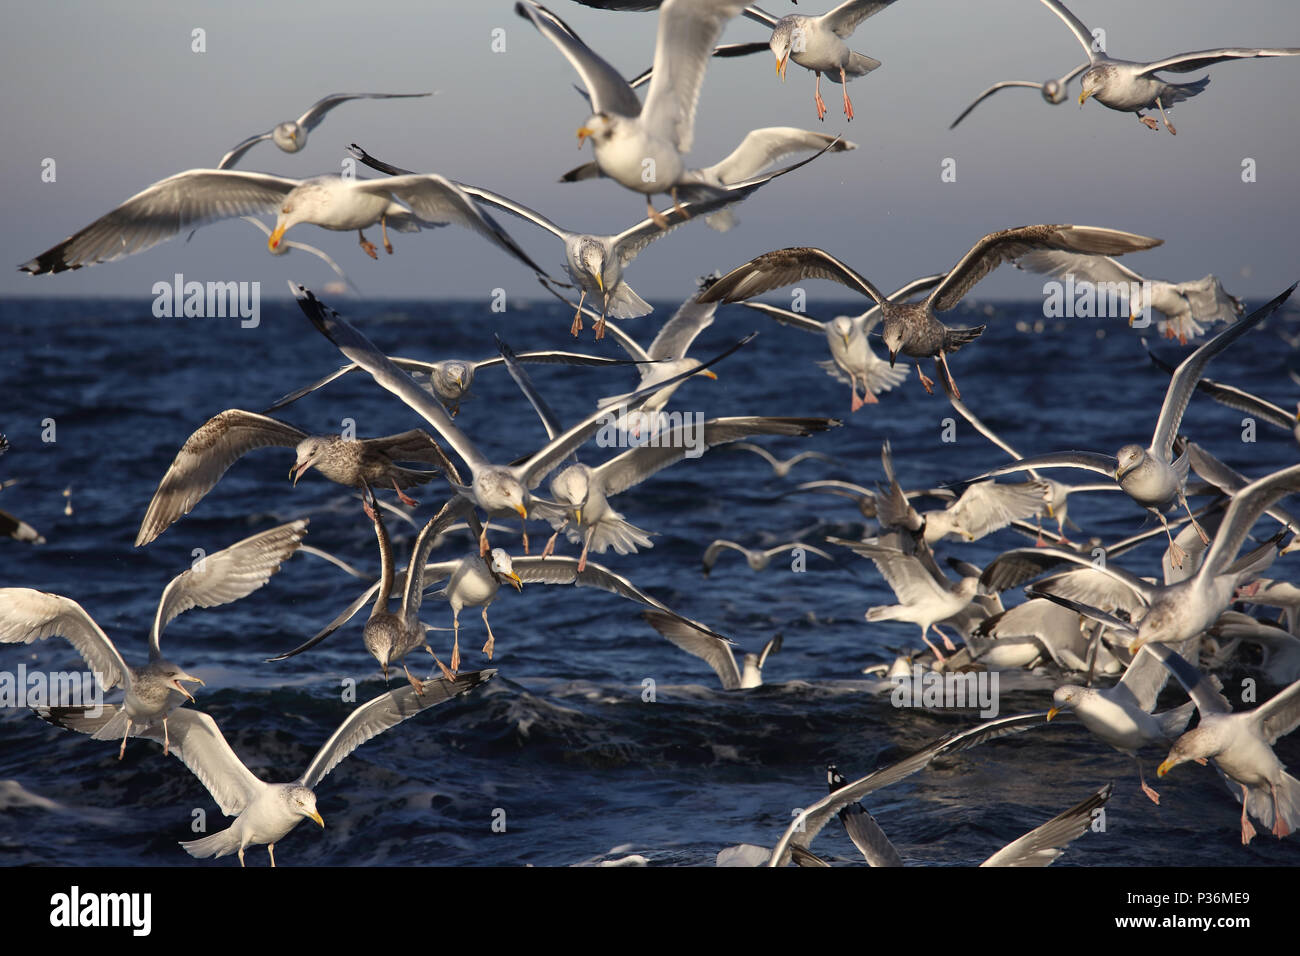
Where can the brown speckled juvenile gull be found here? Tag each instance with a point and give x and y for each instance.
(223, 439)
(912, 328)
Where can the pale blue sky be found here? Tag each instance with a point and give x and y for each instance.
(113, 93)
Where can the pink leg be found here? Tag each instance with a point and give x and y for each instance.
(1280, 829)
(848, 107)
(947, 641)
(404, 498)
(1155, 797)
(1247, 831)
(821, 104)
(926, 381)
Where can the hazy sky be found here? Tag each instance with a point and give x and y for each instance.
(113, 93)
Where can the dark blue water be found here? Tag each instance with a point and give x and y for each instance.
(562, 741)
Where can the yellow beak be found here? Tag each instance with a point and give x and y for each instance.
(516, 581)
(1083, 95)
(578, 514)
(780, 67)
(1053, 712)
(1164, 768)
(523, 512)
(317, 817)
(709, 373)
(583, 133)
(600, 282)
(273, 240)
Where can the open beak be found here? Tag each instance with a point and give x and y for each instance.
(273, 240)
(298, 470)
(180, 687)
(516, 581)
(583, 133)
(317, 817)
(1053, 712)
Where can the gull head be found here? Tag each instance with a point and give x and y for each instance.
(1091, 83)
(175, 678)
(1160, 623)
(892, 336)
(302, 801)
(592, 264)
(781, 43)
(1053, 92)
(599, 127)
(1065, 698)
(503, 569)
(309, 451)
(290, 137)
(1193, 745)
(451, 380)
(842, 328)
(1128, 458)
(497, 490)
(572, 487)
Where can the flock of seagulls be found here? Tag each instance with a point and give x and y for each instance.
(1113, 634)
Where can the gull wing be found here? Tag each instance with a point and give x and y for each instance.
(559, 569)
(230, 574)
(382, 713)
(675, 337)
(805, 827)
(772, 270)
(1243, 511)
(688, 30)
(206, 455)
(1189, 62)
(608, 91)
(27, 615)
(239, 149)
(1007, 245)
(1081, 32)
(844, 19)
(762, 147)
(1086, 460)
(1005, 84)
(1279, 715)
(1189, 371)
(795, 320)
(164, 210)
(714, 652)
(1042, 845)
(1233, 397)
(316, 112)
(637, 464)
(1203, 690)
(862, 828)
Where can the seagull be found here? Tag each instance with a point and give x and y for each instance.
(196, 197)
(862, 827)
(580, 489)
(154, 691)
(642, 148)
(19, 530)
(265, 813)
(291, 136)
(1053, 91)
(913, 328)
(1130, 87)
(1151, 476)
(780, 468)
(817, 44)
(450, 379)
(390, 637)
(596, 262)
(1184, 305)
(757, 560)
(923, 600)
(226, 437)
(805, 826)
(1241, 745)
(852, 359)
(1122, 715)
(715, 652)
(497, 489)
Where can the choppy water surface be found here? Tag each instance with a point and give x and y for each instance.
(563, 741)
